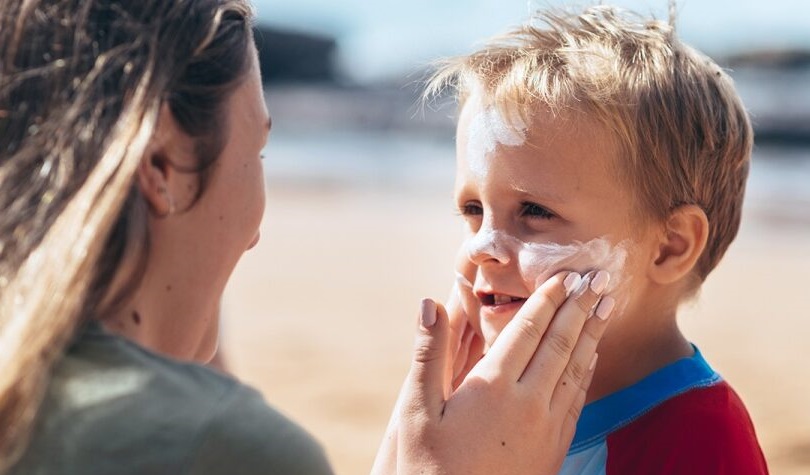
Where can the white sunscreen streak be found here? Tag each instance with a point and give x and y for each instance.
(488, 129)
(538, 262)
(494, 244)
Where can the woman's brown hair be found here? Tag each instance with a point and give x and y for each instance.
(81, 86)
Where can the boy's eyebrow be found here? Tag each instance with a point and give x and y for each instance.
(545, 194)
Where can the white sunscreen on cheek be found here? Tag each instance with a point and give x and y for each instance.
(537, 262)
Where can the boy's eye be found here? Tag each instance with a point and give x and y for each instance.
(534, 210)
(471, 209)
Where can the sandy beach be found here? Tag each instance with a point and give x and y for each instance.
(320, 315)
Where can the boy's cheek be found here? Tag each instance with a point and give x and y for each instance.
(540, 262)
(465, 278)
(486, 329)
(534, 277)
(463, 263)
(472, 308)
(465, 271)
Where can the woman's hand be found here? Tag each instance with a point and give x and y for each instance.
(516, 410)
(466, 345)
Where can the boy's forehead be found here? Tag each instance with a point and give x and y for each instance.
(553, 142)
(539, 124)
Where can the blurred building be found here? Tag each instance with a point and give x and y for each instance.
(774, 86)
(288, 56)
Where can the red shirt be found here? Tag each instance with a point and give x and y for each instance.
(683, 419)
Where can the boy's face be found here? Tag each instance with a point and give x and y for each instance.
(537, 200)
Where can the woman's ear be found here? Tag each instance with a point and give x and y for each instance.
(153, 182)
(680, 245)
(157, 173)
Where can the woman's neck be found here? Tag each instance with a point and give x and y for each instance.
(168, 315)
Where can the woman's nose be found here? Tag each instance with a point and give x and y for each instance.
(489, 246)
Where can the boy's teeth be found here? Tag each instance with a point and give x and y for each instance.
(502, 299)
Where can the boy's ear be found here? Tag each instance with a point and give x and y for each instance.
(680, 245)
(157, 174)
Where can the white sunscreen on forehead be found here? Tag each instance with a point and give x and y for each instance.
(488, 129)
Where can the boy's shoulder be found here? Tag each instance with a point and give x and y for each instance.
(704, 430)
(682, 419)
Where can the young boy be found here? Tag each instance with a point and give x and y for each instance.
(600, 141)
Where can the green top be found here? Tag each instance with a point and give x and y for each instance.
(113, 407)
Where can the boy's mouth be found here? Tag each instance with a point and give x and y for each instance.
(496, 300)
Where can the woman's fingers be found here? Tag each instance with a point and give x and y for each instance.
(474, 346)
(421, 399)
(577, 374)
(459, 335)
(455, 313)
(574, 410)
(424, 389)
(553, 360)
(461, 356)
(385, 461)
(517, 343)
(498, 401)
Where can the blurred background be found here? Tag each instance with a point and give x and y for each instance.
(360, 222)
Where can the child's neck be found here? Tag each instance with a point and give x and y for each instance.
(631, 353)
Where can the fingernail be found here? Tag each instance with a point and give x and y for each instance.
(600, 282)
(593, 362)
(571, 282)
(605, 307)
(428, 313)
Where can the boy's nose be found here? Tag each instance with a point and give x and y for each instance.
(489, 245)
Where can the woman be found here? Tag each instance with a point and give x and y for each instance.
(130, 185)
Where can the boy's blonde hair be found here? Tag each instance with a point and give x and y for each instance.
(682, 131)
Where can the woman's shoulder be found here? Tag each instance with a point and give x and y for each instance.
(246, 436)
(114, 407)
